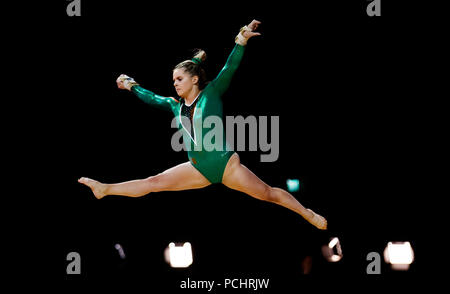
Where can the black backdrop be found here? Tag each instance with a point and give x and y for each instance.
(348, 89)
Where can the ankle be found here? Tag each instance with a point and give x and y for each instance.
(309, 213)
(104, 188)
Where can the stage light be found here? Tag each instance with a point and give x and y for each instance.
(120, 251)
(333, 242)
(399, 254)
(332, 251)
(179, 256)
(293, 185)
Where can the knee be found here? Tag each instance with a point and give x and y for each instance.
(154, 183)
(270, 194)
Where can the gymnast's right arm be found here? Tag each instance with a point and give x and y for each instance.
(166, 103)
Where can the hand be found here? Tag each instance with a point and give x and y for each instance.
(120, 81)
(252, 26)
(125, 82)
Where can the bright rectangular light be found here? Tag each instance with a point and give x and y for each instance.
(179, 256)
(399, 254)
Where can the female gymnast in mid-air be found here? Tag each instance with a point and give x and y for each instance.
(197, 100)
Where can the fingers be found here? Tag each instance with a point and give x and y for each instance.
(121, 78)
(248, 34)
(121, 81)
(120, 85)
(254, 24)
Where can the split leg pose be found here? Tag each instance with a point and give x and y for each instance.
(204, 167)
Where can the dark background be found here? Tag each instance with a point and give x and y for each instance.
(350, 90)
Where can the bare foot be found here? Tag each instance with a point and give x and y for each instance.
(97, 188)
(318, 221)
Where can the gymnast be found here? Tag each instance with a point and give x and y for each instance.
(198, 99)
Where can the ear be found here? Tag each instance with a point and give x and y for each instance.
(195, 79)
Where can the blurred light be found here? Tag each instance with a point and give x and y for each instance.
(307, 265)
(333, 251)
(120, 251)
(293, 185)
(335, 258)
(399, 254)
(179, 256)
(333, 242)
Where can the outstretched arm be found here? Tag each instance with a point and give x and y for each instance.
(223, 79)
(127, 83)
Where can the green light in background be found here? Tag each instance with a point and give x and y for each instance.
(293, 185)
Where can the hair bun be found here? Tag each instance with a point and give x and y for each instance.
(200, 55)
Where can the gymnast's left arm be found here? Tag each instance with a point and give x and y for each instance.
(223, 79)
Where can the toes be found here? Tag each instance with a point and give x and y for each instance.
(325, 224)
(83, 180)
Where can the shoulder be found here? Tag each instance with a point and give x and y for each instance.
(209, 86)
(174, 100)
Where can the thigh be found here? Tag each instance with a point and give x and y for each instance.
(239, 177)
(181, 177)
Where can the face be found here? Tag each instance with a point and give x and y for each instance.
(183, 82)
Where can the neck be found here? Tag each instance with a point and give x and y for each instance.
(191, 96)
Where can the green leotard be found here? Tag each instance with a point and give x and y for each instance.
(210, 164)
